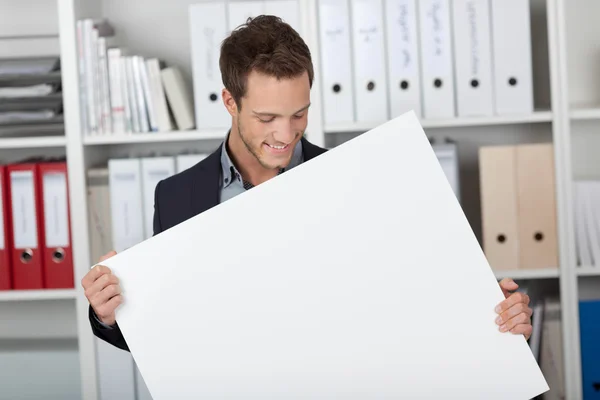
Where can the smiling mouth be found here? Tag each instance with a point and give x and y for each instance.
(278, 147)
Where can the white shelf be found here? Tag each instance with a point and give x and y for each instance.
(561, 77)
(544, 273)
(33, 142)
(155, 137)
(585, 113)
(45, 294)
(588, 271)
(536, 117)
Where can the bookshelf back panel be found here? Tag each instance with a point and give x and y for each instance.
(40, 369)
(24, 33)
(589, 288)
(585, 142)
(17, 18)
(14, 155)
(38, 319)
(540, 54)
(583, 52)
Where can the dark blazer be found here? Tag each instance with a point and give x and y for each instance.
(178, 198)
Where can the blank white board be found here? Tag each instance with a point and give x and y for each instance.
(352, 276)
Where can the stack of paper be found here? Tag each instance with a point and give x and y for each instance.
(22, 116)
(587, 222)
(326, 282)
(29, 66)
(42, 89)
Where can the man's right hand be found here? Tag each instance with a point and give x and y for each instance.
(103, 291)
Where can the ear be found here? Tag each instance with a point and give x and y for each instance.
(229, 103)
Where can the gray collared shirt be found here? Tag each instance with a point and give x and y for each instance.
(232, 182)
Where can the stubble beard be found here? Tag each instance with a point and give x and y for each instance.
(253, 151)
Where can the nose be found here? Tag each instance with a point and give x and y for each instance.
(285, 132)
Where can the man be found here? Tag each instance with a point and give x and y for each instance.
(267, 72)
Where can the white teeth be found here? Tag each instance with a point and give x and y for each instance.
(277, 147)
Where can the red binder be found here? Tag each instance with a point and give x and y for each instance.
(5, 265)
(27, 226)
(58, 256)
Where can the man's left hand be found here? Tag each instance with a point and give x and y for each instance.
(514, 312)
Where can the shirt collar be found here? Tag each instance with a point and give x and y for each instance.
(229, 172)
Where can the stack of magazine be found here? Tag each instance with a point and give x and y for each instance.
(30, 96)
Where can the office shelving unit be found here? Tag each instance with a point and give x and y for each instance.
(36, 142)
(528, 274)
(154, 137)
(567, 97)
(39, 330)
(27, 295)
(580, 85)
(536, 117)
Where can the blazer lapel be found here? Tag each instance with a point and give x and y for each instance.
(310, 150)
(205, 186)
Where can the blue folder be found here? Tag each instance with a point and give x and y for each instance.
(589, 317)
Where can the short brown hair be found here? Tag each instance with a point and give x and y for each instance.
(265, 44)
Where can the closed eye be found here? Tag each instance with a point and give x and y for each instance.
(298, 116)
(266, 121)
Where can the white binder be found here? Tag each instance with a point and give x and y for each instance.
(287, 10)
(125, 181)
(404, 74)
(336, 61)
(154, 169)
(370, 81)
(511, 33)
(208, 27)
(447, 155)
(240, 11)
(436, 59)
(186, 161)
(116, 367)
(473, 57)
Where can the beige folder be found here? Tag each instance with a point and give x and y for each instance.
(498, 188)
(537, 206)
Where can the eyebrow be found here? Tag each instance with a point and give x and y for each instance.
(269, 114)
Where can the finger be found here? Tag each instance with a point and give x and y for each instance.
(106, 311)
(99, 285)
(512, 313)
(507, 285)
(525, 330)
(105, 295)
(519, 319)
(93, 275)
(108, 255)
(519, 308)
(513, 299)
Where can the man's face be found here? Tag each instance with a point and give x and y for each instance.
(273, 117)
